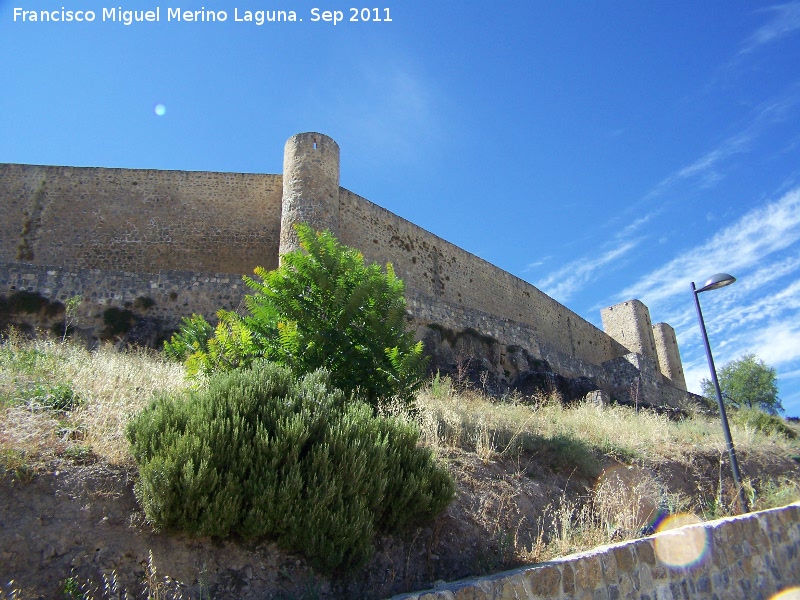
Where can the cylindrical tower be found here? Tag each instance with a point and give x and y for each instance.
(310, 186)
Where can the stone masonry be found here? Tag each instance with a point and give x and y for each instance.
(96, 231)
(750, 557)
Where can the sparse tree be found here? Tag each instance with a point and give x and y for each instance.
(747, 382)
(70, 314)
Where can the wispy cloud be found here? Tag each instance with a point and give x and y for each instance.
(564, 282)
(785, 20)
(778, 343)
(740, 246)
(537, 263)
(760, 314)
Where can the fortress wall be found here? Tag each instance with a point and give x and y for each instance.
(140, 220)
(443, 272)
(736, 558)
(118, 229)
(175, 294)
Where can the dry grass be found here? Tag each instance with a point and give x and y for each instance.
(624, 501)
(468, 419)
(109, 387)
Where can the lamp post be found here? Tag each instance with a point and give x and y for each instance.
(714, 282)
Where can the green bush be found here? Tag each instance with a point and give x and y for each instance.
(192, 338)
(24, 301)
(322, 308)
(259, 453)
(761, 421)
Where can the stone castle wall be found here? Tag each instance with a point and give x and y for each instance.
(755, 556)
(442, 272)
(165, 226)
(140, 221)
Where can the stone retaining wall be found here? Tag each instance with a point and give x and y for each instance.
(754, 556)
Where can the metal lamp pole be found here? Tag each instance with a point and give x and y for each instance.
(714, 282)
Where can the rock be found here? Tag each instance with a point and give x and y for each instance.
(597, 398)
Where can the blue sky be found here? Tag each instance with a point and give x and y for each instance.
(601, 151)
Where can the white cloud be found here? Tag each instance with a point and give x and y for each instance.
(785, 21)
(778, 343)
(562, 284)
(741, 246)
(386, 108)
(790, 374)
(538, 263)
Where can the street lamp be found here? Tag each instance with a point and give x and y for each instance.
(715, 282)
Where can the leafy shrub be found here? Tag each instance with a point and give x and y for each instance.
(59, 396)
(192, 338)
(43, 395)
(259, 453)
(322, 308)
(761, 421)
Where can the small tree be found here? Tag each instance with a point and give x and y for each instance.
(322, 308)
(747, 382)
(70, 313)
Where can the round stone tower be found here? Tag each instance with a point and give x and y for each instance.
(310, 186)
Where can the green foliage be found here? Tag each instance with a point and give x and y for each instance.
(71, 589)
(322, 308)
(746, 382)
(192, 338)
(259, 453)
(70, 314)
(42, 395)
(54, 396)
(773, 494)
(17, 465)
(761, 421)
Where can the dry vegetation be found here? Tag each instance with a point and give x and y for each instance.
(537, 478)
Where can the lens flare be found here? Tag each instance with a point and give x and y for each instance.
(160, 110)
(680, 546)
(792, 593)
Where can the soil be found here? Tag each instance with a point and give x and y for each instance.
(80, 519)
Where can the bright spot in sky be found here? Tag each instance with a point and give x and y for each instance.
(160, 110)
(789, 594)
(681, 547)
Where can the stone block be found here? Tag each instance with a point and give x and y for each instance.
(588, 573)
(567, 579)
(544, 581)
(644, 551)
(597, 398)
(624, 558)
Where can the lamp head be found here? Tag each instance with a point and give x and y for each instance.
(717, 281)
